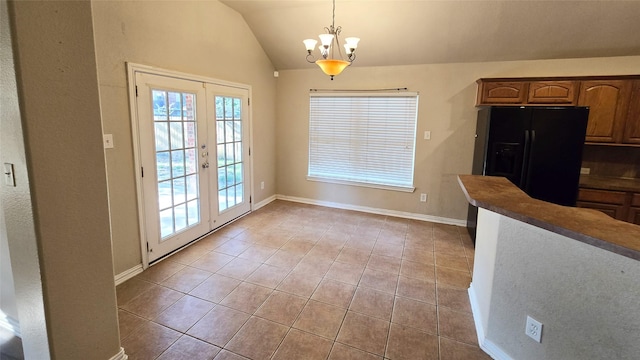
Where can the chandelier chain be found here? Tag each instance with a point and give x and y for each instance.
(333, 19)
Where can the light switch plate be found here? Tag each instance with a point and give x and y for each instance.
(427, 135)
(108, 141)
(9, 177)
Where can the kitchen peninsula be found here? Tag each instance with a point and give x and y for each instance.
(577, 271)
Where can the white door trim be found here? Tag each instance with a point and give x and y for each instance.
(132, 69)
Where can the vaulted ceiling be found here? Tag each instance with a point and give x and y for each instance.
(401, 32)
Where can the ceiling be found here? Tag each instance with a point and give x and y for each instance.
(402, 32)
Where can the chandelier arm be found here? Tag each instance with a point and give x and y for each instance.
(310, 56)
(338, 43)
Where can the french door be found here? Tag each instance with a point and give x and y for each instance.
(193, 147)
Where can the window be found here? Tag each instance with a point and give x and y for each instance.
(363, 139)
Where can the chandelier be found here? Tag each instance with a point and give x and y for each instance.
(329, 64)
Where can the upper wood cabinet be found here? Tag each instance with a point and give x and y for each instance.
(552, 92)
(502, 92)
(608, 102)
(632, 124)
(613, 101)
(526, 92)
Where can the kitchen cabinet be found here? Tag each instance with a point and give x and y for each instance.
(632, 124)
(552, 92)
(613, 101)
(620, 205)
(608, 102)
(634, 215)
(611, 203)
(526, 92)
(634, 211)
(500, 92)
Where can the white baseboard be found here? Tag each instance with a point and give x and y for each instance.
(10, 324)
(263, 203)
(402, 214)
(486, 345)
(120, 355)
(128, 274)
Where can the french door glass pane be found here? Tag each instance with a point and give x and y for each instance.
(229, 145)
(176, 160)
(192, 210)
(239, 193)
(162, 136)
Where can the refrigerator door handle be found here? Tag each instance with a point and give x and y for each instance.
(525, 162)
(530, 161)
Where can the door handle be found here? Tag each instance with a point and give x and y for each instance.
(529, 165)
(205, 165)
(525, 156)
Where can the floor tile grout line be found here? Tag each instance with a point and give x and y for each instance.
(324, 277)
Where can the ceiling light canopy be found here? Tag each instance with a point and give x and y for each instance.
(329, 42)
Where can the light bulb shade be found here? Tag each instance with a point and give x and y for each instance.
(326, 39)
(352, 42)
(348, 49)
(332, 67)
(310, 44)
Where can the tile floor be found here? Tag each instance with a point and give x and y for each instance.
(294, 281)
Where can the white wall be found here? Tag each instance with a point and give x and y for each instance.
(8, 306)
(447, 99)
(7, 291)
(585, 297)
(204, 38)
(18, 224)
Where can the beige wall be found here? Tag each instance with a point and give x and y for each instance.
(57, 216)
(446, 108)
(204, 38)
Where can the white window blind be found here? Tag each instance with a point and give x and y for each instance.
(364, 139)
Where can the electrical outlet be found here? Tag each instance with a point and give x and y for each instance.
(423, 197)
(427, 135)
(533, 329)
(262, 185)
(585, 171)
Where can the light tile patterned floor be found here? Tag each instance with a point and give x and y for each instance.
(294, 281)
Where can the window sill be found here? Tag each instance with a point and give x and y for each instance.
(408, 189)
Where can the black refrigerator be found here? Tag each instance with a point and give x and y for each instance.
(539, 149)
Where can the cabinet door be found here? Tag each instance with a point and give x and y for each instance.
(615, 211)
(502, 92)
(634, 215)
(602, 196)
(612, 203)
(608, 102)
(632, 125)
(552, 92)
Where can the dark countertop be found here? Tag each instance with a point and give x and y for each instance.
(609, 183)
(589, 226)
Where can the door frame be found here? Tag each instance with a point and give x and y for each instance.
(132, 69)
